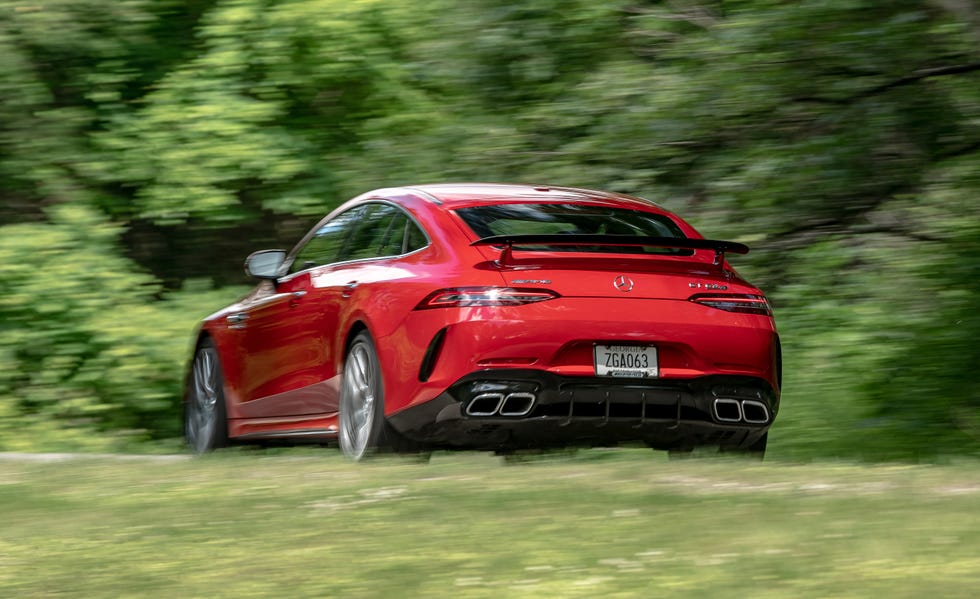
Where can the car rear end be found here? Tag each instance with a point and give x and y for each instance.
(613, 322)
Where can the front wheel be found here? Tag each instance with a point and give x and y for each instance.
(361, 400)
(205, 418)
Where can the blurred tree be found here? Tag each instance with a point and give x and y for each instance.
(83, 342)
(85, 346)
(269, 115)
(65, 65)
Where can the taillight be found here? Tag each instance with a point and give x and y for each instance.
(746, 304)
(475, 297)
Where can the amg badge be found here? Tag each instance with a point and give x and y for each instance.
(713, 286)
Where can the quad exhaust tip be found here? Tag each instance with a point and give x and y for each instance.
(517, 404)
(498, 404)
(755, 412)
(485, 404)
(748, 411)
(728, 410)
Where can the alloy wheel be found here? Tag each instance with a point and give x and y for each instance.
(358, 397)
(202, 405)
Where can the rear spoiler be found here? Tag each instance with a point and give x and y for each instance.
(509, 241)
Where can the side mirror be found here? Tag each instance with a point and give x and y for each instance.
(265, 264)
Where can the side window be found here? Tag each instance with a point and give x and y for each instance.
(384, 230)
(373, 232)
(325, 246)
(390, 244)
(415, 239)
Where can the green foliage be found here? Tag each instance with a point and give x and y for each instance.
(926, 386)
(65, 65)
(271, 115)
(85, 347)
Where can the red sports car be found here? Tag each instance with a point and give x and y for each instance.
(492, 317)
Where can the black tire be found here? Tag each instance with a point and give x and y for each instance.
(205, 413)
(361, 418)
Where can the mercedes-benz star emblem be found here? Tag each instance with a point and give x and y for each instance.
(623, 283)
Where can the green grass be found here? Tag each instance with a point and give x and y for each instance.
(626, 523)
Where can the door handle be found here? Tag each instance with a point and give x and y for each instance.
(295, 297)
(349, 289)
(237, 320)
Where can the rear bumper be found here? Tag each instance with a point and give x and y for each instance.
(514, 409)
(436, 347)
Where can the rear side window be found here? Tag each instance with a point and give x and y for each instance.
(375, 232)
(384, 230)
(415, 239)
(571, 219)
(327, 243)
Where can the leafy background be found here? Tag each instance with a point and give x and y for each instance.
(146, 146)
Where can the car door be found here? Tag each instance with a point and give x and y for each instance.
(353, 285)
(291, 337)
(287, 336)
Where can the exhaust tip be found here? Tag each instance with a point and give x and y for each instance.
(485, 404)
(728, 410)
(517, 404)
(755, 412)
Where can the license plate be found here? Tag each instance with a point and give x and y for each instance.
(630, 361)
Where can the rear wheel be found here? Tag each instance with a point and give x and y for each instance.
(205, 416)
(361, 400)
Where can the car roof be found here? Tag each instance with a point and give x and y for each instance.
(458, 195)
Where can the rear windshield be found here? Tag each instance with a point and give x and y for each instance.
(571, 219)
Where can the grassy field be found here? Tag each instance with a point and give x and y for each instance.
(626, 523)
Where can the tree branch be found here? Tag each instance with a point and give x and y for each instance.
(956, 69)
(961, 151)
(897, 231)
